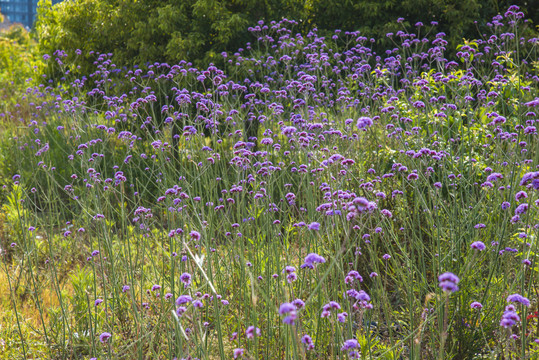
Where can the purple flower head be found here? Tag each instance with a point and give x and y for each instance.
(289, 310)
(289, 130)
(104, 337)
(494, 177)
(289, 269)
(509, 317)
(251, 332)
(186, 279)
(449, 277)
(183, 299)
(352, 275)
(314, 226)
(311, 260)
(448, 282)
(364, 122)
(238, 353)
(517, 298)
(308, 341)
(532, 177)
(521, 195)
(97, 302)
(181, 310)
(291, 277)
(476, 305)
(386, 213)
(285, 308)
(521, 209)
(341, 317)
(478, 245)
(334, 305)
(298, 303)
(195, 235)
(533, 103)
(363, 296)
(350, 346)
(353, 293)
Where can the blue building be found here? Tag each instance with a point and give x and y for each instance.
(20, 11)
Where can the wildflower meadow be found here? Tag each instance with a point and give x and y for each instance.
(306, 199)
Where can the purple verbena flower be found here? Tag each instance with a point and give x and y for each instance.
(478, 245)
(517, 298)
(251, 332)
(289, 310)
(308, 341)
(476, 305)
(311, 260)
(195, 235)
(448, 282)
(238, 353)
(183, 299)
(104, 337)
(509, 317)
(364, 122)
(285, 308)
(352, 275)
(186, 279)
(314, 226)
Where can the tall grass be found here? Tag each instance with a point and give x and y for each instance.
(173, 212)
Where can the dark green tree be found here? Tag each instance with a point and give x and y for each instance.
(148, 31)
(155, 30)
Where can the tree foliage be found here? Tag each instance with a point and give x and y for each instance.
(17, 61)
(140, 31)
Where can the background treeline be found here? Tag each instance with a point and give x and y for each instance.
(140, 31)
